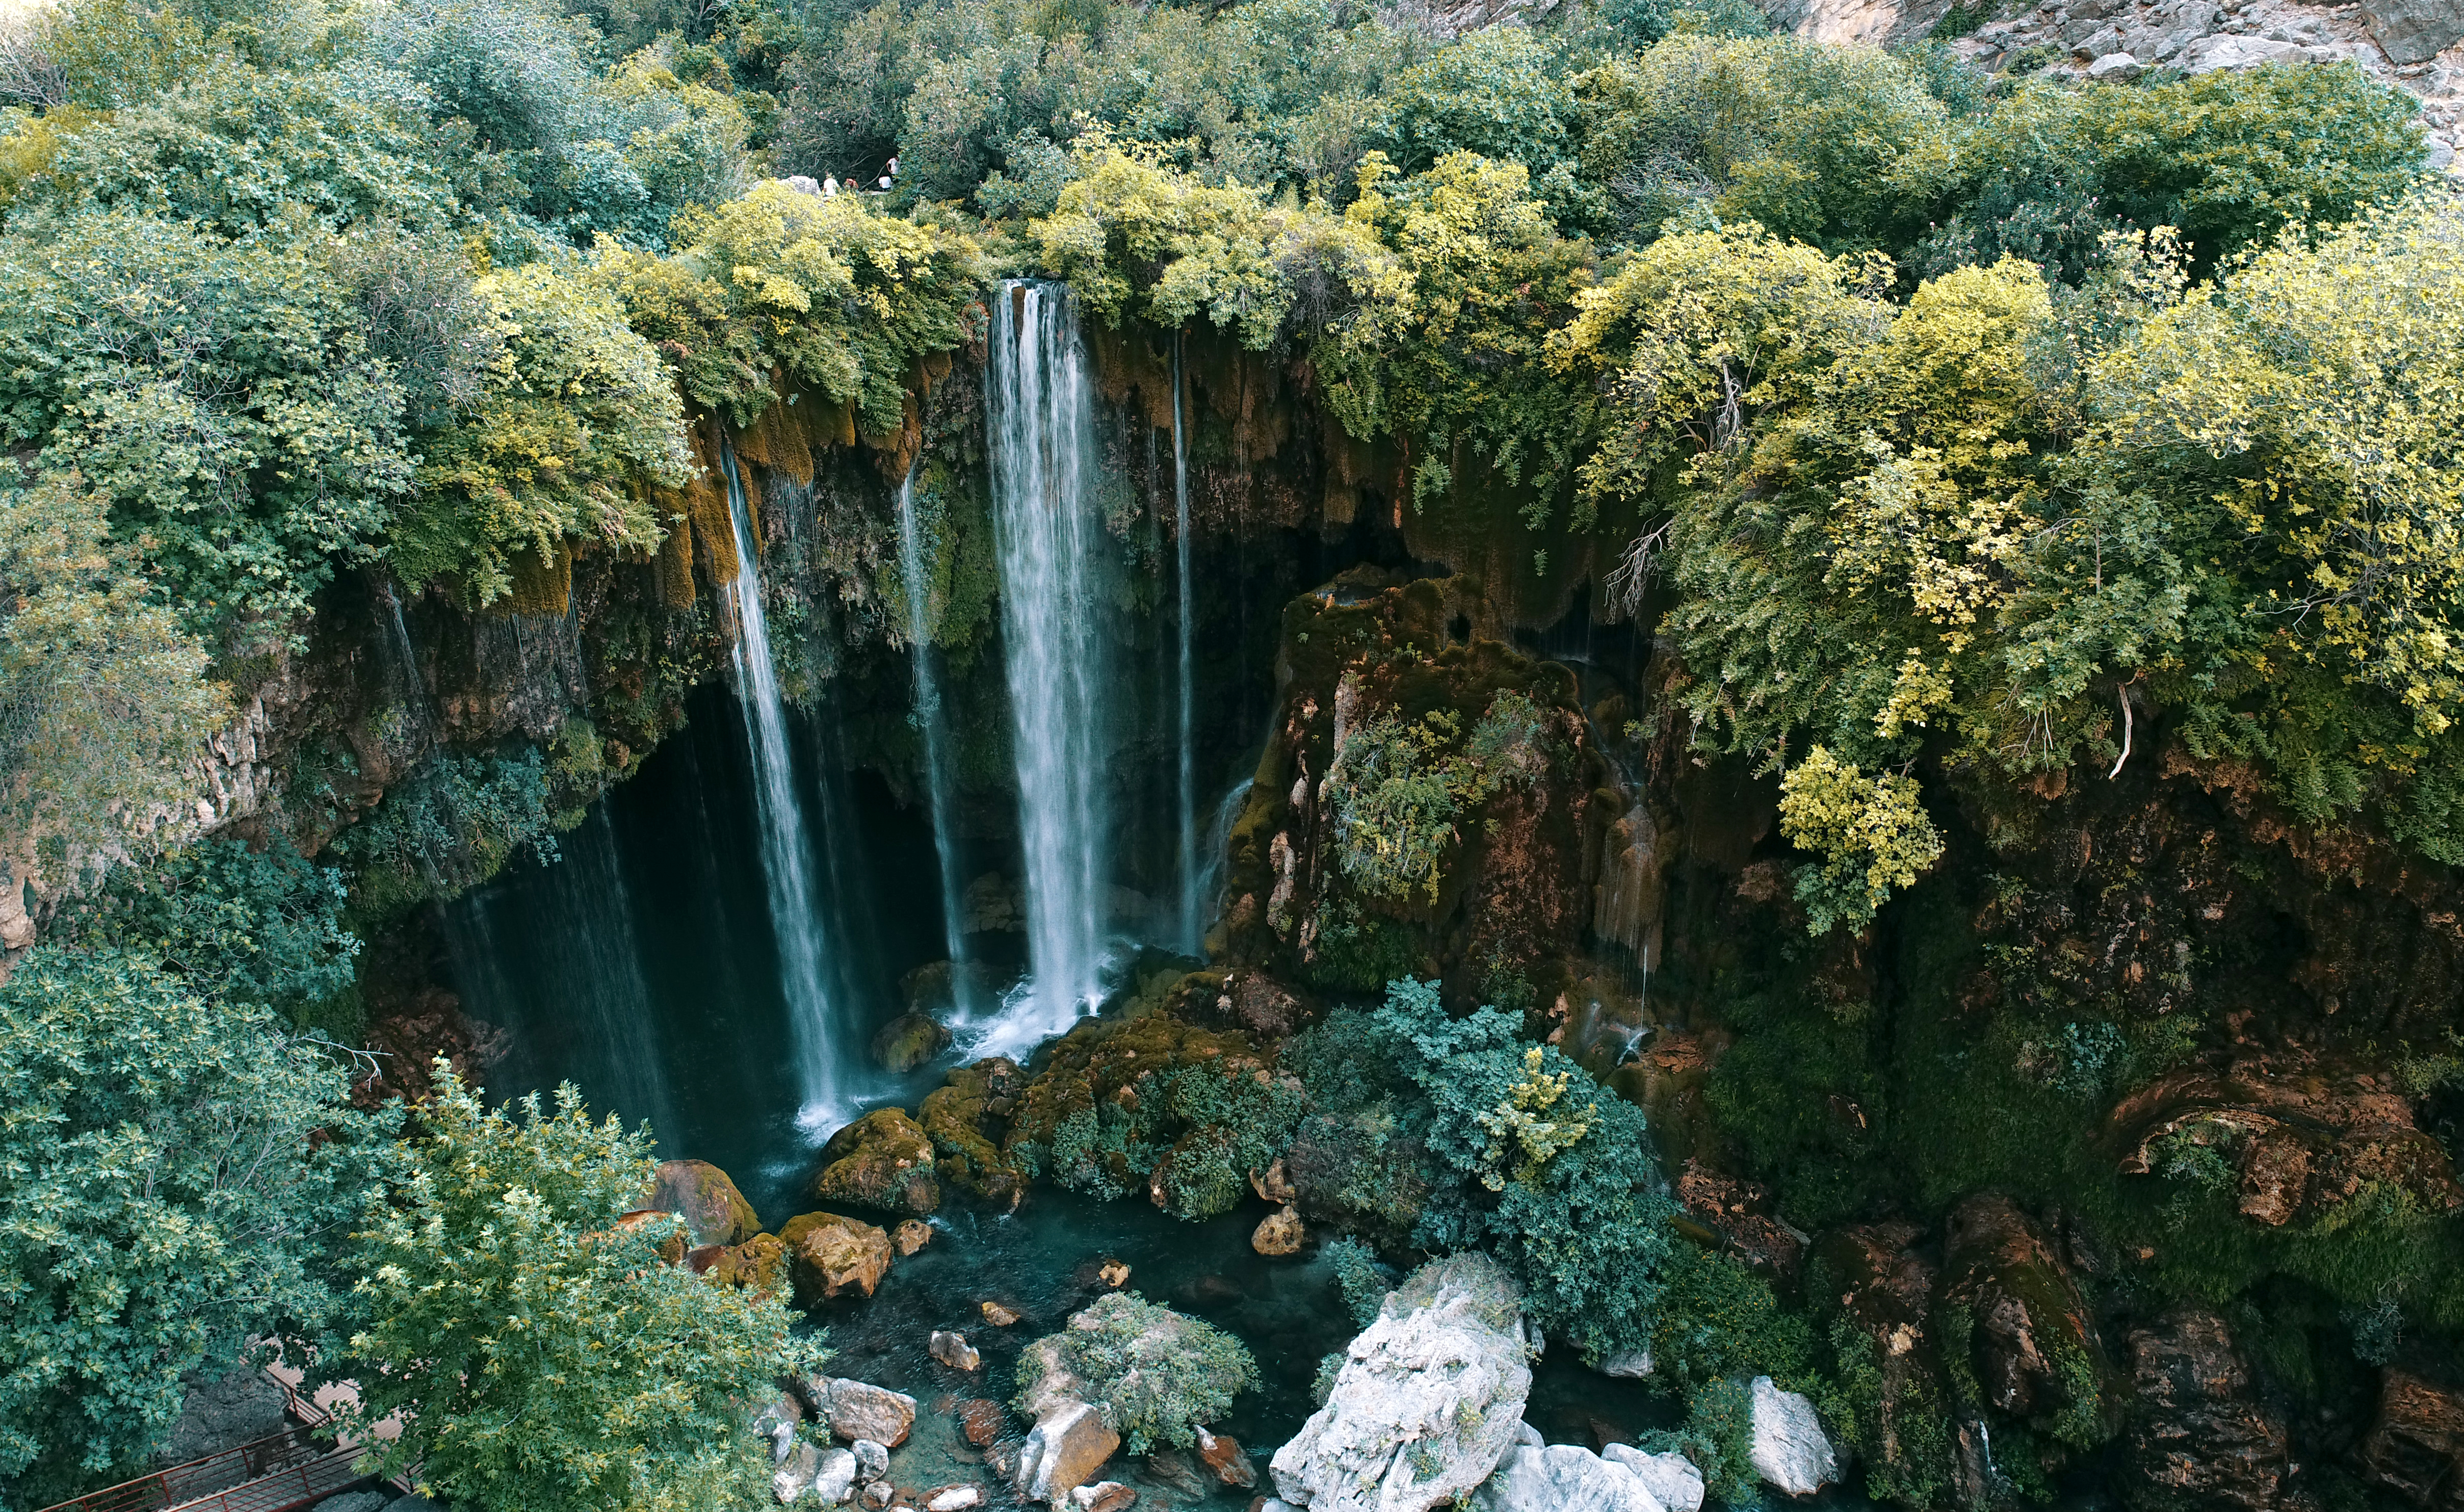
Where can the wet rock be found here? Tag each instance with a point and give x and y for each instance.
(1442, 1371)
(1225, 1461)
(699, 1193)
(1065, 1449)
(911, 1234)
(1274, 1185)
(834, 1483)
(1279, 1234)
(1561, 1477)
(829, 1254)
(882, 1160)
(792, 1474)
(1114, 1273)
(953, 1350)
(1627, 1364)
(1251, 1001)
(940, 989)
(907, 1041)
(758, 1265)
(2034, 1346)
(2198, 1434)
(857, 1410)
(877, 1495)
(2415, 1448)
(998, 1316)
(953, 1498)
(775, 1420)
(1884, 1288)
(966, 1120)
(1177, 1471)
(1670, 1477)
(1743, 1212)
(1790, 1451)
(1045, 1384)
(871, 1458)
(981, 1420)
(1104, 1495)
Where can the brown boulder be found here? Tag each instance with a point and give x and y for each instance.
(2198, 1436)
(858, 1411)
(1274, 1185)
(911, 1234)
(2032, 1343)
(1225, 1461)
(1067, 1448)
(703, 1195)
(882, 1160)
(981, 1421)
(2415, 1448)
(1743, 1212)
(829, 1254)
(1279, 1233)
(758, 1265)
(1885, 1288)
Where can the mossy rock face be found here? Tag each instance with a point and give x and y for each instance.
(758, 1265)
(907, 1041)
(2031, 1340)
(966, 1120)
(882, 1160)
(830, 1254)
(699, 1193)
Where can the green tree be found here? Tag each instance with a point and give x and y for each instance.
(175, 1174)
(542, 1355)
(1156, 1374)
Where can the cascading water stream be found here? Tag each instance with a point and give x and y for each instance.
(938, 787)
(1193, 921)
(1049, 531)
(795, 903)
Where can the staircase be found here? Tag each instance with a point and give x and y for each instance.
(280, 1473)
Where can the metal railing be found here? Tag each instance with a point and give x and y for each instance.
(274, 1474)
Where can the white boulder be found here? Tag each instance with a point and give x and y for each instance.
(834, 1480)
(1562, 1478)
(1427, 1403)
(1791, 1450)
(1670, 1477)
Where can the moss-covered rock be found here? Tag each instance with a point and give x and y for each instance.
(966, 1120)
(2018, 1323)
(882, 1160)
(699, 1193)
(907, 1041)
(759, 1264)
(830, 1254)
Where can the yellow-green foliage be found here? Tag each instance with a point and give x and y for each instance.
(1527, 1128)
(840, 297)
(577, 418)
(1871, 833)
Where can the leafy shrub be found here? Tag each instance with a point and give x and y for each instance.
(256, 927)
(1156, 1374)
(1359, 1275)
(448, 827)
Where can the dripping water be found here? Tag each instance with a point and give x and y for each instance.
(1192, 864)
(795, 905)
(1047, 531)
(929, 723)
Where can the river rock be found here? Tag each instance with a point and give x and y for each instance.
(882, 1160)
(829, 1254)
(1065, 1449)
(1045, 1383)
(998, 1316)
(1279, 1234)
(953, 1498)
(1274, 1185)
(981, 1421)
(1179, 1472)
(1442, 1371)
(1561, 1477)
(1790, 1451)
(758, 1265)
(1114, 1273)
(1104, 1495)
(793, 1474)
(1225, 1461)
(877, 1495)
(699, 1193)
(2415, 1446)
(775, 1420)
(966, 1119)
(911, 1234)
(953, 1350)
(871, 1458)
(857, 1411)
(834, 1483)
(1670, 1477)
(907, 1041)
(2197, 1427)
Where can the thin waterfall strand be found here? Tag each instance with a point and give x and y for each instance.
(1192, 867)
(937, 785)
(794, 912)
(1039, 401)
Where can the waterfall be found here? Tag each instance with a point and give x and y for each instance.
(795, 906)
(1193, 922)
(937, 785)
(1048, 530)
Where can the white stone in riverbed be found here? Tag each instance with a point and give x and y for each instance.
(1669, 1476)
(1562, 1478)
(1791, 1450)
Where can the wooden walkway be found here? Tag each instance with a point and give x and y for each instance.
(279, 1473)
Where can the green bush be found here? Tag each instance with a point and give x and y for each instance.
(1156, 1374)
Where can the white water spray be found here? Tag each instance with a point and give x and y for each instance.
(795, 908)
(930, 725)
(1049, 532)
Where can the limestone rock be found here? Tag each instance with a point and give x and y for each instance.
(882, 1160)
(1562, 1478)
(2115, 66)
(1443, 1370)
(1627, 1364)
(775, 1420)
(793, 1475)
(1790, 1451)
(911, 1234)
(1067, 1448)
(2414, 31)
(953, 1498)
(953, 1350)
(1670, 1477)
(1114, 1273)
(1225, 1461)
(877, 1495)
(2224, 51)
(1176, 1470)
(699, 1193)
(907, 1041)
(835, 1480)
(2197, 1427)
(967, 1118)
(237, 1408)
(828, 1255)
(2415, 1446)
(1279, 1233)
(856, 1410)
(871, 1458)
(1045, 1384)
